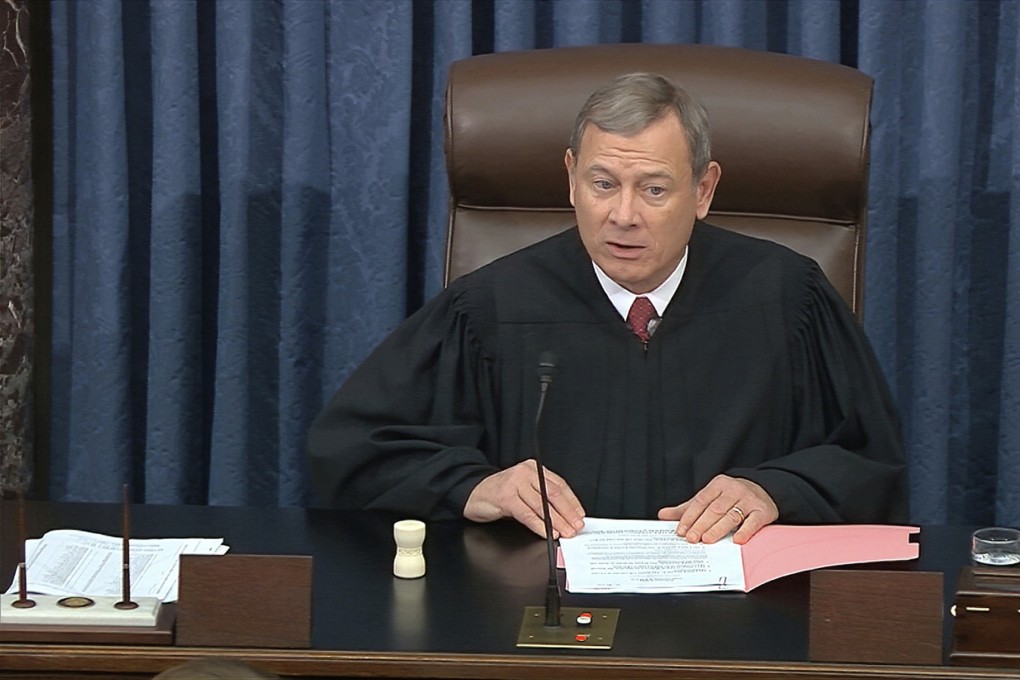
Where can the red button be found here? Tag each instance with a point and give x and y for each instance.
(581, 637)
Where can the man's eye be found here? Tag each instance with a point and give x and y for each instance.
(656, 191)
(603, 184)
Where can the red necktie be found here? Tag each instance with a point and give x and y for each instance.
(641, 312)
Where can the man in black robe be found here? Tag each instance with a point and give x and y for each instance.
(750, 396)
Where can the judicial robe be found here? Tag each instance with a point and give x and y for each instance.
(757, 370)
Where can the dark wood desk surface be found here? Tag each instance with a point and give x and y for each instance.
(461, 619)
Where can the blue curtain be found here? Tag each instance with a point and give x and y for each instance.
(250, 194)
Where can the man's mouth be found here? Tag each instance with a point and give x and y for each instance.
(624, 249)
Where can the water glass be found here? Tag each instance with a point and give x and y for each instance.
(996, 546)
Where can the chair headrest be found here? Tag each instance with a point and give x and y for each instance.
(790, 133)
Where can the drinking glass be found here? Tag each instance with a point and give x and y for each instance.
(996, 546)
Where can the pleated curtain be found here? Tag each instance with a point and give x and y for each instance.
(249, 194)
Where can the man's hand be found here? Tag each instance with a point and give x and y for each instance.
(514, 492)
(724, 505)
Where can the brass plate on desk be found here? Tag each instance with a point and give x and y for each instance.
(599, 634)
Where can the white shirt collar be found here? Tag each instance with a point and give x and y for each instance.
(622, 298)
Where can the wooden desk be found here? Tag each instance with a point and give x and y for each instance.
(461, 619)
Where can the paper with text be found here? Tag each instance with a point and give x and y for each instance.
(71, 562)
(646, 556)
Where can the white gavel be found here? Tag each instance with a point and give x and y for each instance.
(409, 535)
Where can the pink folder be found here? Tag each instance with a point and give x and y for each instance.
(780, 550)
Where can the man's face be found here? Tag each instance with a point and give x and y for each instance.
(635, 200)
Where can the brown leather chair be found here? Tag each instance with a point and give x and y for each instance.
(790, 133)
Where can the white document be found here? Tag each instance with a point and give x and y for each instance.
(646, 556)
(71, 562)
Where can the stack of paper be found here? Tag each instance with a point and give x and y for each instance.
(70, 562)
(646, 556)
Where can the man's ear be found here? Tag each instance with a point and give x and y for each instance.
(705, 188)
(568, 161)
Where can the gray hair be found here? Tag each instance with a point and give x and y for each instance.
(630, 103)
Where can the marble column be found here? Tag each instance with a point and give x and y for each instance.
(16, 328)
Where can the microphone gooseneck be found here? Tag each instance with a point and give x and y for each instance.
(546, 368)
(544, 627)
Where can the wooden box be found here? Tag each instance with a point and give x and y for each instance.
(245, 601)
(986, 629)
(876, 616)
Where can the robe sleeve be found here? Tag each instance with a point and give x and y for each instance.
(405, 431)
(847, 462)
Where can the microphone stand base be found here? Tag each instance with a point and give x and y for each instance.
(598, 634)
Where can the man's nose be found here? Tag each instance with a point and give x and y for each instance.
(624, 208)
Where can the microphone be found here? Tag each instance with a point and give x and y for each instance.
(546, 368)
(542, 626)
